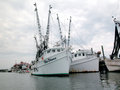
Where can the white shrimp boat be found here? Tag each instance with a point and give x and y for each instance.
(50, 61)
(54, 61)
(84, 61)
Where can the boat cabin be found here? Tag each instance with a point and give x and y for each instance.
(51, 51)
(82, 53)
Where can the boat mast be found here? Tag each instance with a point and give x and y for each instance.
(69, 31)
(48, 26)
(38, 22)
(59, 29)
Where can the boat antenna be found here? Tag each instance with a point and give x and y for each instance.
(69, 31)
(38, 22)
(48, 26)
(60, 29)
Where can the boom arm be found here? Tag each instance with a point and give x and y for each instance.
(48, 26)
(59, 28)
(69, 31)
(38, 22)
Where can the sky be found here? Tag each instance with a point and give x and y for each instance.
(92, 26)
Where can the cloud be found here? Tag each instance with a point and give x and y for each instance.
(92, 26)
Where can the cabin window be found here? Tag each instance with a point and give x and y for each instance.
(83, 54)
(53, 50)
(58, 50)
(75, 55)
(79, 54)
(48, 51)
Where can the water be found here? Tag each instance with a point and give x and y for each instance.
(81, 81)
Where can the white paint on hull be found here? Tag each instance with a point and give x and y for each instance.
(90, 64)
(60, 65)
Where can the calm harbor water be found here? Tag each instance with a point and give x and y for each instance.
(80, 81)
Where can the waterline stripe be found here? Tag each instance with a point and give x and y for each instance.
(50, 74)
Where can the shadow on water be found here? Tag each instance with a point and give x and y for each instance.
(110, 81)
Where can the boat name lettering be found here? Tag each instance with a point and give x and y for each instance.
(49, 60)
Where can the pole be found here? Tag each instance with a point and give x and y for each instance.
(103, 52)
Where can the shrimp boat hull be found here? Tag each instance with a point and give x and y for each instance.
(113, 65)
(57, 64)
(85, 65)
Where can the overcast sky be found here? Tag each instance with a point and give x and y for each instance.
(92, 26)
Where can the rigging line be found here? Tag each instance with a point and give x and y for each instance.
(52, 30)
(76, 32)
(64, 30)
(56, 25)
(78, 43)
(52, 20)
